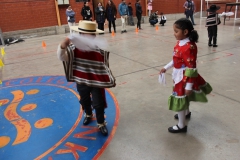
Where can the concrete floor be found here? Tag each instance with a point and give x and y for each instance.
(135, 60)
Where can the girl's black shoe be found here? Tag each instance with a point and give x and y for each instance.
(183, 130)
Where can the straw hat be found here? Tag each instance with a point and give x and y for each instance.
(213, 8)
(86, 27)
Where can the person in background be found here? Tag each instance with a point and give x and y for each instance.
(138, 13)
(111, 13)
(212, 22)
(149, 7)
(100, 16)
(123, 11)
(189, 10)
(86, 12)
(70, 17)
(163, 19)
(130, 15)
(153, 19)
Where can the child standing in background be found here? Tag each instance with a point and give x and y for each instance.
(212, 22)
(188, 84)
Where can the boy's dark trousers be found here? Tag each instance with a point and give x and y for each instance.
(212, 34)
(139, 17)
(97, 101)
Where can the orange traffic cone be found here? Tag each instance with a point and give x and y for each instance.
(136, 30)
(156, 27)
(113, 34)
(43, 44)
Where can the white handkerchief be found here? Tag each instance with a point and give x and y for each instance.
(161, 79)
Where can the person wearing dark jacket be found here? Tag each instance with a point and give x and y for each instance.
(138, 13)
(111, 13)
(100, 16)
(130, 15)
(70, 17)
(212, 22)
(86, 12)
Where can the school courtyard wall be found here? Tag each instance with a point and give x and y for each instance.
(30, 14)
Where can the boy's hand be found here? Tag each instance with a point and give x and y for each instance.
(65, 43)
(162, 71)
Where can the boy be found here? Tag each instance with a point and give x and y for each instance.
(212, 22)
(87, 66)
(163, 19)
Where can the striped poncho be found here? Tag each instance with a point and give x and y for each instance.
(89, 67)
(212, 20)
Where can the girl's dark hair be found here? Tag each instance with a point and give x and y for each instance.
(183, 24)
(112, 4)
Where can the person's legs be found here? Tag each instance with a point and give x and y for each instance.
(210, 35)
(99, 103)
(192, 19)
(180, 127)
(71, 24)
(138, 21)
(131, 21)
(140, 18)
(123, 22)
(215, 36)
(109, 26)
(114, 26)
(85, 101)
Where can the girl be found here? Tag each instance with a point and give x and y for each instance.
(111, 13)
(188, 84)
(86, 12)
(100, 16)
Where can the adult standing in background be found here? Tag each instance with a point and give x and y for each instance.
(138, 13)
(149, 7)
(100, 16)
(111, 13)
(189, 9)
(70, 17)
(86, 12)
(130, 15)
(123, 11)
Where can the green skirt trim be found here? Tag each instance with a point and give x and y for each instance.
(198, 96)
(206, 88)
(176, 103)
(189, 72)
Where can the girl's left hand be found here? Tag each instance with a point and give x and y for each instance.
(188, 92)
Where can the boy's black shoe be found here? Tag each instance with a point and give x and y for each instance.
(122, 32)
(87, 119)
(171, 130)
(215, 45)
(125, 31)
(188, 116)
(103, 129)
(209, 45)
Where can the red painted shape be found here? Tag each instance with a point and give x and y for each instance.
(72, 149)
(82, 134)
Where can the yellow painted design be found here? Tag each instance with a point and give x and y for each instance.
(1, 63)
(43, 123)
(4, 140)
(2, 52)
(28, 107)
(33, 91)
